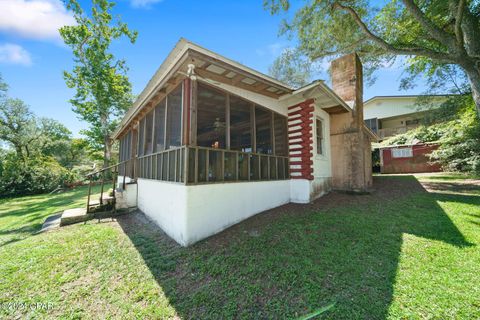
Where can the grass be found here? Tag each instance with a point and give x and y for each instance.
(399, 253)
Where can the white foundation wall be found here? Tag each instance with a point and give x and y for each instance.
(166, 204)
(212, 208)
(127, 198)
(192, 213)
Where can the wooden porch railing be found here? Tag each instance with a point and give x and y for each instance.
(201, 165)
(108, 175)
(388, 132)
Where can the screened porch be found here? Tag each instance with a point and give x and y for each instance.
(197, 134)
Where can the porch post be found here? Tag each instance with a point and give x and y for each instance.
(193, 112)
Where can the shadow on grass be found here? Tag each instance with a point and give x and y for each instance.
(289, 261)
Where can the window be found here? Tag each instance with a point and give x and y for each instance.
(159, 143)
(211, 120)
(412, 122)
(149, 133)
(402, 153)
(240, 124)
(372, 124)
(319, 136)
(263, 129)
(174, 118)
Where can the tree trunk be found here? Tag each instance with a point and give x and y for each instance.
(473, 74)
(107, 150)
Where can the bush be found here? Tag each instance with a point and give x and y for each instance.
(31, 176)
(460, 150)
(458, 137)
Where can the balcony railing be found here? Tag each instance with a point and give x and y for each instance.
(201, 165)
(388, 132)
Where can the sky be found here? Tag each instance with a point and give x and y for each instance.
(33, 57)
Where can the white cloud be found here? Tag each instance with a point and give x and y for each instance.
(34, 19)
(143, 3)
(14, 54)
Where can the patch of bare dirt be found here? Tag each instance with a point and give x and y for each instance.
(384, 189)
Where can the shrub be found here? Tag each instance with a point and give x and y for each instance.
(458, 137)
(31, 175)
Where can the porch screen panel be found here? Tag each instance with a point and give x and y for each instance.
(240, 125)
(280, 133)
(174, 118)
(141, 135)
(211, 111)
(149, 133)
(263, 127)
(128, 154)
(121, 151)
(159, 143)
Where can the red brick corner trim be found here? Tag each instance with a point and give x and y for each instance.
(300, 142)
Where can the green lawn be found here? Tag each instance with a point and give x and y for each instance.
(402, 252)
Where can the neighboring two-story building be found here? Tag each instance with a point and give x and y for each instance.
(388, 116)
(391, 115)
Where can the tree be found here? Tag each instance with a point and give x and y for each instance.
(431, 34)
(103, 91)
(26, 133)
(292, 68)
(17, 125)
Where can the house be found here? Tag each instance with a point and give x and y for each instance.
(210, 142)
(391, 115)
(409, 158)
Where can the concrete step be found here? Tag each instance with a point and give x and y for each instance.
(104, 200)
(71, 216)
(77, 215)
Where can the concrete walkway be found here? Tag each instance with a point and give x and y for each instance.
(52, 222)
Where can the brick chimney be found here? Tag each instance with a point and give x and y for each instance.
(350, 145)
(347, 82)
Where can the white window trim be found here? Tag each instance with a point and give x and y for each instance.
(402, 152)
(323, 155)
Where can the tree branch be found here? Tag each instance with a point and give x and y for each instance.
(458, 23)
(437, 33)
(334, 52)
(390, 48)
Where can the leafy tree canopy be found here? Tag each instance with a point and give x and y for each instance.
(292, 68)
(430, 35)
(103, 91)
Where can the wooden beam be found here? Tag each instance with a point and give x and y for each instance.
(335, 110)
(235, 81)
(193, 114)
(235, 69)
(227, 121)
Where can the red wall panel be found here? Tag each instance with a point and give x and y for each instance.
(416, 164)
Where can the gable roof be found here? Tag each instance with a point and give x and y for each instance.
(406, 96)
(187, 51)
